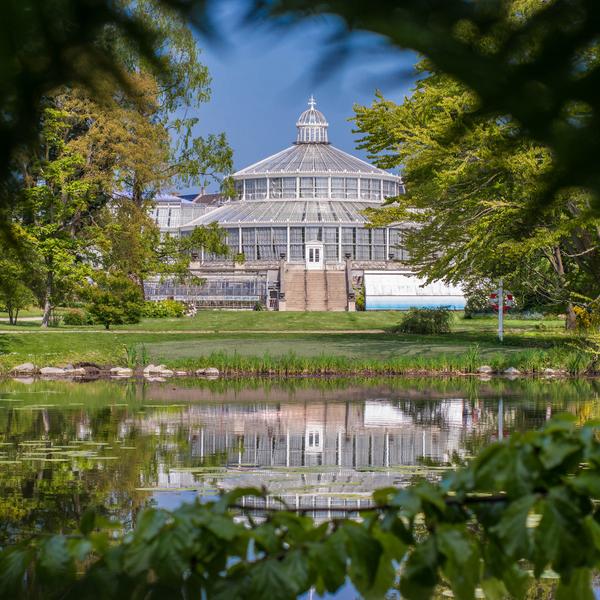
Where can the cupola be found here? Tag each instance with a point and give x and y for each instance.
(312, 125)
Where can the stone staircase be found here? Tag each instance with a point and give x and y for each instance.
(318, 290)
(337, 297)
(295, 289)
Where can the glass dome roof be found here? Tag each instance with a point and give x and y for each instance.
(312, 158)
(312, 154)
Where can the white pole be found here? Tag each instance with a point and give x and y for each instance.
(501, 311)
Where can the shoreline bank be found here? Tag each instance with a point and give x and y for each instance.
(87, 372)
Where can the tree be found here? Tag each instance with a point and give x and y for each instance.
(58, 198)
(469, 182)
(536, 62)
(14, 294)
(154, 147)
(114, 300)
(130, 242)
(84, 191)
(15, 275)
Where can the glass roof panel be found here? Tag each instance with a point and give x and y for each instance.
(289, 212)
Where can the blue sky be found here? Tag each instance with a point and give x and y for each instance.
(263, 76)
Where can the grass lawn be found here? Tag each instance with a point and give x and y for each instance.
(224, 320)
(531, 344)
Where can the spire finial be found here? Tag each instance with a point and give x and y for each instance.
(312, 102)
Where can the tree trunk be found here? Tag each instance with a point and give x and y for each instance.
(571, 318)
(48, 297)
(47, 311)
(142, 288)
(557, 263)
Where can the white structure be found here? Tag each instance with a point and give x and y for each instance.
(400, 290)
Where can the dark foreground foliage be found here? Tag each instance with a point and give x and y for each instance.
(521, 507)
(537, 62)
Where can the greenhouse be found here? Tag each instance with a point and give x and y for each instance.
(311, 194)
(297, 230)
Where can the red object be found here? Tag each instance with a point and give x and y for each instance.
(509, 301)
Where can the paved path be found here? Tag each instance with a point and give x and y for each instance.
(20, 319)
(200, 331)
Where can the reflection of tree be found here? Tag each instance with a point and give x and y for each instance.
(52, 494)
(427, 412)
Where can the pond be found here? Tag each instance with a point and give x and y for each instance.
(119, 446)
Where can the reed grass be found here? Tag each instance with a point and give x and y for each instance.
(531, 361)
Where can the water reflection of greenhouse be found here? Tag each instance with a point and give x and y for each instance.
(328, 448)
(372, 434)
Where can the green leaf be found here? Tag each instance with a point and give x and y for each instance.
(579, 586)
(79, 549)
(431, 494)
(329, 560)
(269, 580)
(408, 501)
(13, 564)
(517, 581)
(223, 527)
(556, 536)
(383, 496)
(593, 528)
(587, 483)
(54, 560)
(394, 551)
(462, 560)
(492, 468)
(87, 522)
(512, 527)
(150, 522)
(230, 498)
(297, 569)
(172, 554)
(365, 553)
(267, 538)
(554, 452)
(419, 576)
(138, 556)
(494, 589)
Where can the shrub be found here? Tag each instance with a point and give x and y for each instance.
(587, 317)
(163, 309)
(478, 299)
(360, 299)
(259, 306)
(114, 299)
(76, 316)
(425, 321)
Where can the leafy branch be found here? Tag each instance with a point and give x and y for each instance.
(521, 507)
